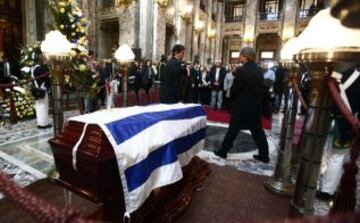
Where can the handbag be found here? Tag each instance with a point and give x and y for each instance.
(36, 91)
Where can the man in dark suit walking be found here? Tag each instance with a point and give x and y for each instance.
(245, 106)
(279, 88)
(172, 78)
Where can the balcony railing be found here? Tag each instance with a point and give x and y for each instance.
(234, 18)
(269, 16)
(304, 13)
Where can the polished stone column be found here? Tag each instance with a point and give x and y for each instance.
(317, 124)
(89, 9)
(188, 40)
(159, 32)
(180, 24)
(145, 27)
(127, 25)
(250, 22)
(196, 9)
(290, 14)
(218, 38)
(202, 46)
(30, 21)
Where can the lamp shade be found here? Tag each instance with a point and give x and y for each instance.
(326, 33)
(56, 44)
(124, 54)
(290, 48)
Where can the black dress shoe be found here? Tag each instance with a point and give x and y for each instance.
(324, 196)
(220, 154)
(262, 159)
(44, 126)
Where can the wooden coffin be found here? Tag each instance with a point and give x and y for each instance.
(97, 177)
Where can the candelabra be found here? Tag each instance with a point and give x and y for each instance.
(124, 55)
(56, 50)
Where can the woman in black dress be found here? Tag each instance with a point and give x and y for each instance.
(144, 80)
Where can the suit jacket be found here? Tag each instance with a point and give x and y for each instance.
(196, 78)
(40, 70)
(172, 77)
(246, 95)
(279, 79)
(221, 79)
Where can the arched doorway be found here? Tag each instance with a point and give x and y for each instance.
(268, 45)
(109, 38)
(169, 38)
(10, 29)
(231, 49)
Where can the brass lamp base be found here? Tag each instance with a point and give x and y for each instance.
(279, 186)
(321, 63)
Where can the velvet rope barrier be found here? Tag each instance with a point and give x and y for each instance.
(298, 93)
(37, 207)
(23, 82)
(87, 86)
(345, 201)
(47, 213)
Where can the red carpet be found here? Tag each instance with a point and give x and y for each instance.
(224, 117)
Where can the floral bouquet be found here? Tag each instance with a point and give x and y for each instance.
(70, 21)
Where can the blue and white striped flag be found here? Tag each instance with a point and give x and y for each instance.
(151, 144)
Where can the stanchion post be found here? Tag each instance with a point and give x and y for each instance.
(124, 69)
(13, 112)
(57, 94)
(280, 182)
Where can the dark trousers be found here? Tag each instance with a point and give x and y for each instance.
(196, 94)
(205, 96)
(138, 97)
(102, 96)
(257, 133)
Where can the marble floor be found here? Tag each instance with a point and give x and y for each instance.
(25, 154)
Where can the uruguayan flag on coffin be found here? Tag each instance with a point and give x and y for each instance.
(151, 144)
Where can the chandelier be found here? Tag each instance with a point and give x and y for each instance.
(199, 25)
(163, 3)
(211, 33)
(186, 12)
